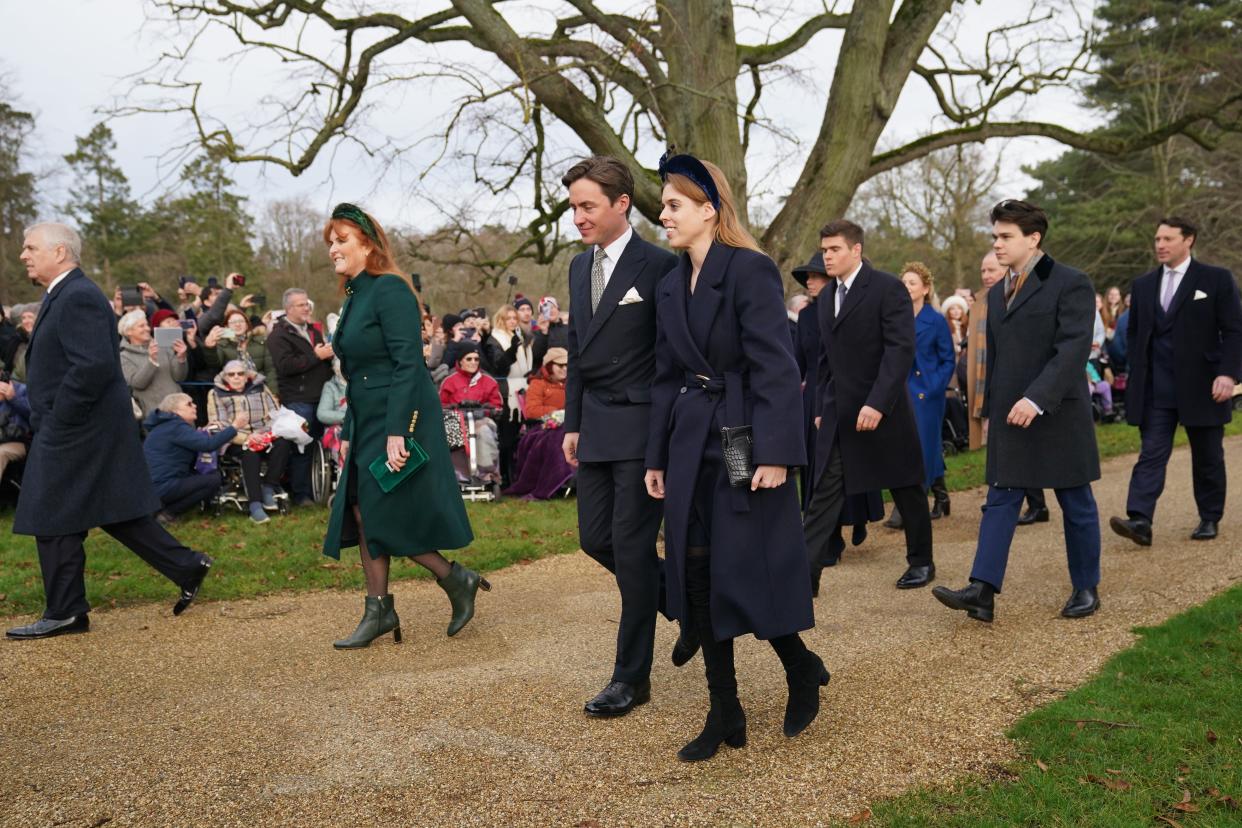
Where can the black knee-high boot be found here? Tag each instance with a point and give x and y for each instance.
(805, 674)
(726, 722)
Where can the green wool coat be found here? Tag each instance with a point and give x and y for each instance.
(379, 341)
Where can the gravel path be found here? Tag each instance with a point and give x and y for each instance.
(241, 713)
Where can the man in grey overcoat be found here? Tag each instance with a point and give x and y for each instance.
(85, 466)
(1036, 399)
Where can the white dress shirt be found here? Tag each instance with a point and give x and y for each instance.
(51, 287)
(612, 253)
(848, 281)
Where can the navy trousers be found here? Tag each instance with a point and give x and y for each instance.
(1000, 519)
(1207, 465)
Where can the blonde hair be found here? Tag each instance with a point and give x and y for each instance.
(921, 270)
(729, 228)
(498, 318)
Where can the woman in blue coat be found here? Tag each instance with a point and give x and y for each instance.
(934, 360)
(735, 556)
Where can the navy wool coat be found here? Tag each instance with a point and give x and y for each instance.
(934, 361)
(1038, 349)
(866, 356)
(85, 466)
(734, 324)
(1206, 318)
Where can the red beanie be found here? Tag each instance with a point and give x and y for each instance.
(160, 315)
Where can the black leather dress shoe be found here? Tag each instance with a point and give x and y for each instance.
(48, 627)
(687, 645)
(1135, 529)
(1033, 516)
(189, 589)
(1081, 603)
(976, 599)
(1206, 530)
(917, 576)
(617, 699)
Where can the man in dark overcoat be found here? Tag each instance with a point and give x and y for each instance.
(868, 438)
(1184, 336)
(85, 466)
(612, 334)
(1040, 430)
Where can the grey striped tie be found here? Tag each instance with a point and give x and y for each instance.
(597, 278)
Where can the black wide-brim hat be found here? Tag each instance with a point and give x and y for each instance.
(815, 265)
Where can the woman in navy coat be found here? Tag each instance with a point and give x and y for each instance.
(735, 556)
(934, 361)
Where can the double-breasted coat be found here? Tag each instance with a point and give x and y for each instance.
(1038, 349)
(390, 393)
(1205, 318)
(85, 467)
(867, 352)
(934, 361)
(732, 332)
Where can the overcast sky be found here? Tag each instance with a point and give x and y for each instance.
(65, 59)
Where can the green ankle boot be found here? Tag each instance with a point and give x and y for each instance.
(378, 617)
(461, 585)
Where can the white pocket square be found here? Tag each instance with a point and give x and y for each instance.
(1200, 295)
(630, 297)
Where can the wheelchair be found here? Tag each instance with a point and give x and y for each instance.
(325, 465)
(466, 426)
(233, 488)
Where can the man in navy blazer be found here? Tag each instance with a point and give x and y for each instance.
(1184, 340)
(85, 466)
(612, 333)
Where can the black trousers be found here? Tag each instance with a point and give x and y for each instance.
(252, 466)
(63, 561)
(1207, 465)
(617, 525)
(825, 511)
(190, 491)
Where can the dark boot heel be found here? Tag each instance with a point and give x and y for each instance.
(824, 678)
(484, 585)
(396, 635)
(736, 739)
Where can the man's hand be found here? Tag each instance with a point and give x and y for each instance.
(324, 351)
(569, 445)
(654, 478)
(819, 421)
(766, 477)
(178, 349)
(153, 353)
(868, 419)
(1022, 414)
(148, 292)
(1222, 388)
(230, 281)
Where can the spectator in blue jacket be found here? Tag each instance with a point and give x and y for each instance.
(171, 447)
(14, 423)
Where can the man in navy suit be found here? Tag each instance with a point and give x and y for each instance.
(1184, 341)
(85, 466)
(612, 333)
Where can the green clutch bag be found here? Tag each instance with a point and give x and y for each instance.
(389, 479)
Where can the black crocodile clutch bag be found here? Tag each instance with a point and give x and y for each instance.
(736, 444)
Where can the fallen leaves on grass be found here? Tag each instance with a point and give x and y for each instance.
(1039, 764)
(1211, 737)
(860, 817)
(1186, 806)
(1111, 784)
(1170, 821)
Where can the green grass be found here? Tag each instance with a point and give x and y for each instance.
(1154, 739)
(282, 554)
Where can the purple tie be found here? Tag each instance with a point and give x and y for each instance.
(1167, 299)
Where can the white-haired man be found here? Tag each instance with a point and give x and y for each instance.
(85, 466)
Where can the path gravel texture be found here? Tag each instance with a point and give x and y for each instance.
(241, 713)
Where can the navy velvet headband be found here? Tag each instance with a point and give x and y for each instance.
(693, 169)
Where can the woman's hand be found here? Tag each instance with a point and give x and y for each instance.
(153, 353)
(179, 349)
(397, 455)
(655, 483)
(768, 477)
(213, 337)
(344, 451)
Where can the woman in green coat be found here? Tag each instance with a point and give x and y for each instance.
(390, 398)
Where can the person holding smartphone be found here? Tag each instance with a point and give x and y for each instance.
(151, 372)
(393, 413)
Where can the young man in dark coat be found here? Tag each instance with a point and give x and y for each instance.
(1184, 336)
(85, 467)
(611, 345)
(1040, 430)
(867, 438)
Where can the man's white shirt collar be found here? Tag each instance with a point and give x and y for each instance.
(1180, 268)
(613, 251)
(849, 280)
(51, 287)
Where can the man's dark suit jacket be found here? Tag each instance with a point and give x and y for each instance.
(612, 354)
(865, 358)
(1207, 341)
(1038, 349)
(85, 466)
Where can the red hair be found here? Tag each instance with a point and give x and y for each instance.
(379, 260)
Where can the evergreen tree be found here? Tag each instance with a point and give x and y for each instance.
(109, 219)
(17, 198)
(209, 224)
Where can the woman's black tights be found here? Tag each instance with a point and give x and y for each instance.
(717, 655)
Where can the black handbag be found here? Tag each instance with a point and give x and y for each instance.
(736, 444)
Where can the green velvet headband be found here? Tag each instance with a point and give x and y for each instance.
(353, 213)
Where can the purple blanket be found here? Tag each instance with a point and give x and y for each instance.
(541, 470)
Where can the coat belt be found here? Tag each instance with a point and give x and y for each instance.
(733, 384)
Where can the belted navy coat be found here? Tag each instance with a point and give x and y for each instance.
(85, 466)
(733, 324)
(934, 361)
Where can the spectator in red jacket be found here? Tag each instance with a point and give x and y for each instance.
(467, 382)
